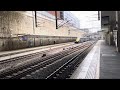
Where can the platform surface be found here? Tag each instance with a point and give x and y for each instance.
(89, 68)
(32, 48)
(16, 53)
(109, 62)
(102, 62)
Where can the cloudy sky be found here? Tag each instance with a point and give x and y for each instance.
(88, 19)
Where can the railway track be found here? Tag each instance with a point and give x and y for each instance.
(29, 56)
(66, 70)
(43, 68)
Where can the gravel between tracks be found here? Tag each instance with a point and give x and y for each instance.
(14, 63)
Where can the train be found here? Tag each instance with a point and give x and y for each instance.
(81, 40)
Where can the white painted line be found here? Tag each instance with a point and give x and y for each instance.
(98, 64)
(89, 68)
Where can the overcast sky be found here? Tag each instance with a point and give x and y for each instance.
(88, 19)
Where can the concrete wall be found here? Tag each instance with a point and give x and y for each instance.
(15, 24)
(109, 28)
(102, 35)
(12, 22)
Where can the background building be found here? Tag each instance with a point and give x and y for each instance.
(23, 29)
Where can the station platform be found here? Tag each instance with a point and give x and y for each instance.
(15, 53)
(102, 62)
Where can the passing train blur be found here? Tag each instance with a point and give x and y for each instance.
(83, 39)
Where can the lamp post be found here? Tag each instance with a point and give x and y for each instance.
(56, 19)
(36, 26)
(36, 18)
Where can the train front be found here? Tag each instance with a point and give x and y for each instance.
(77, 40)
